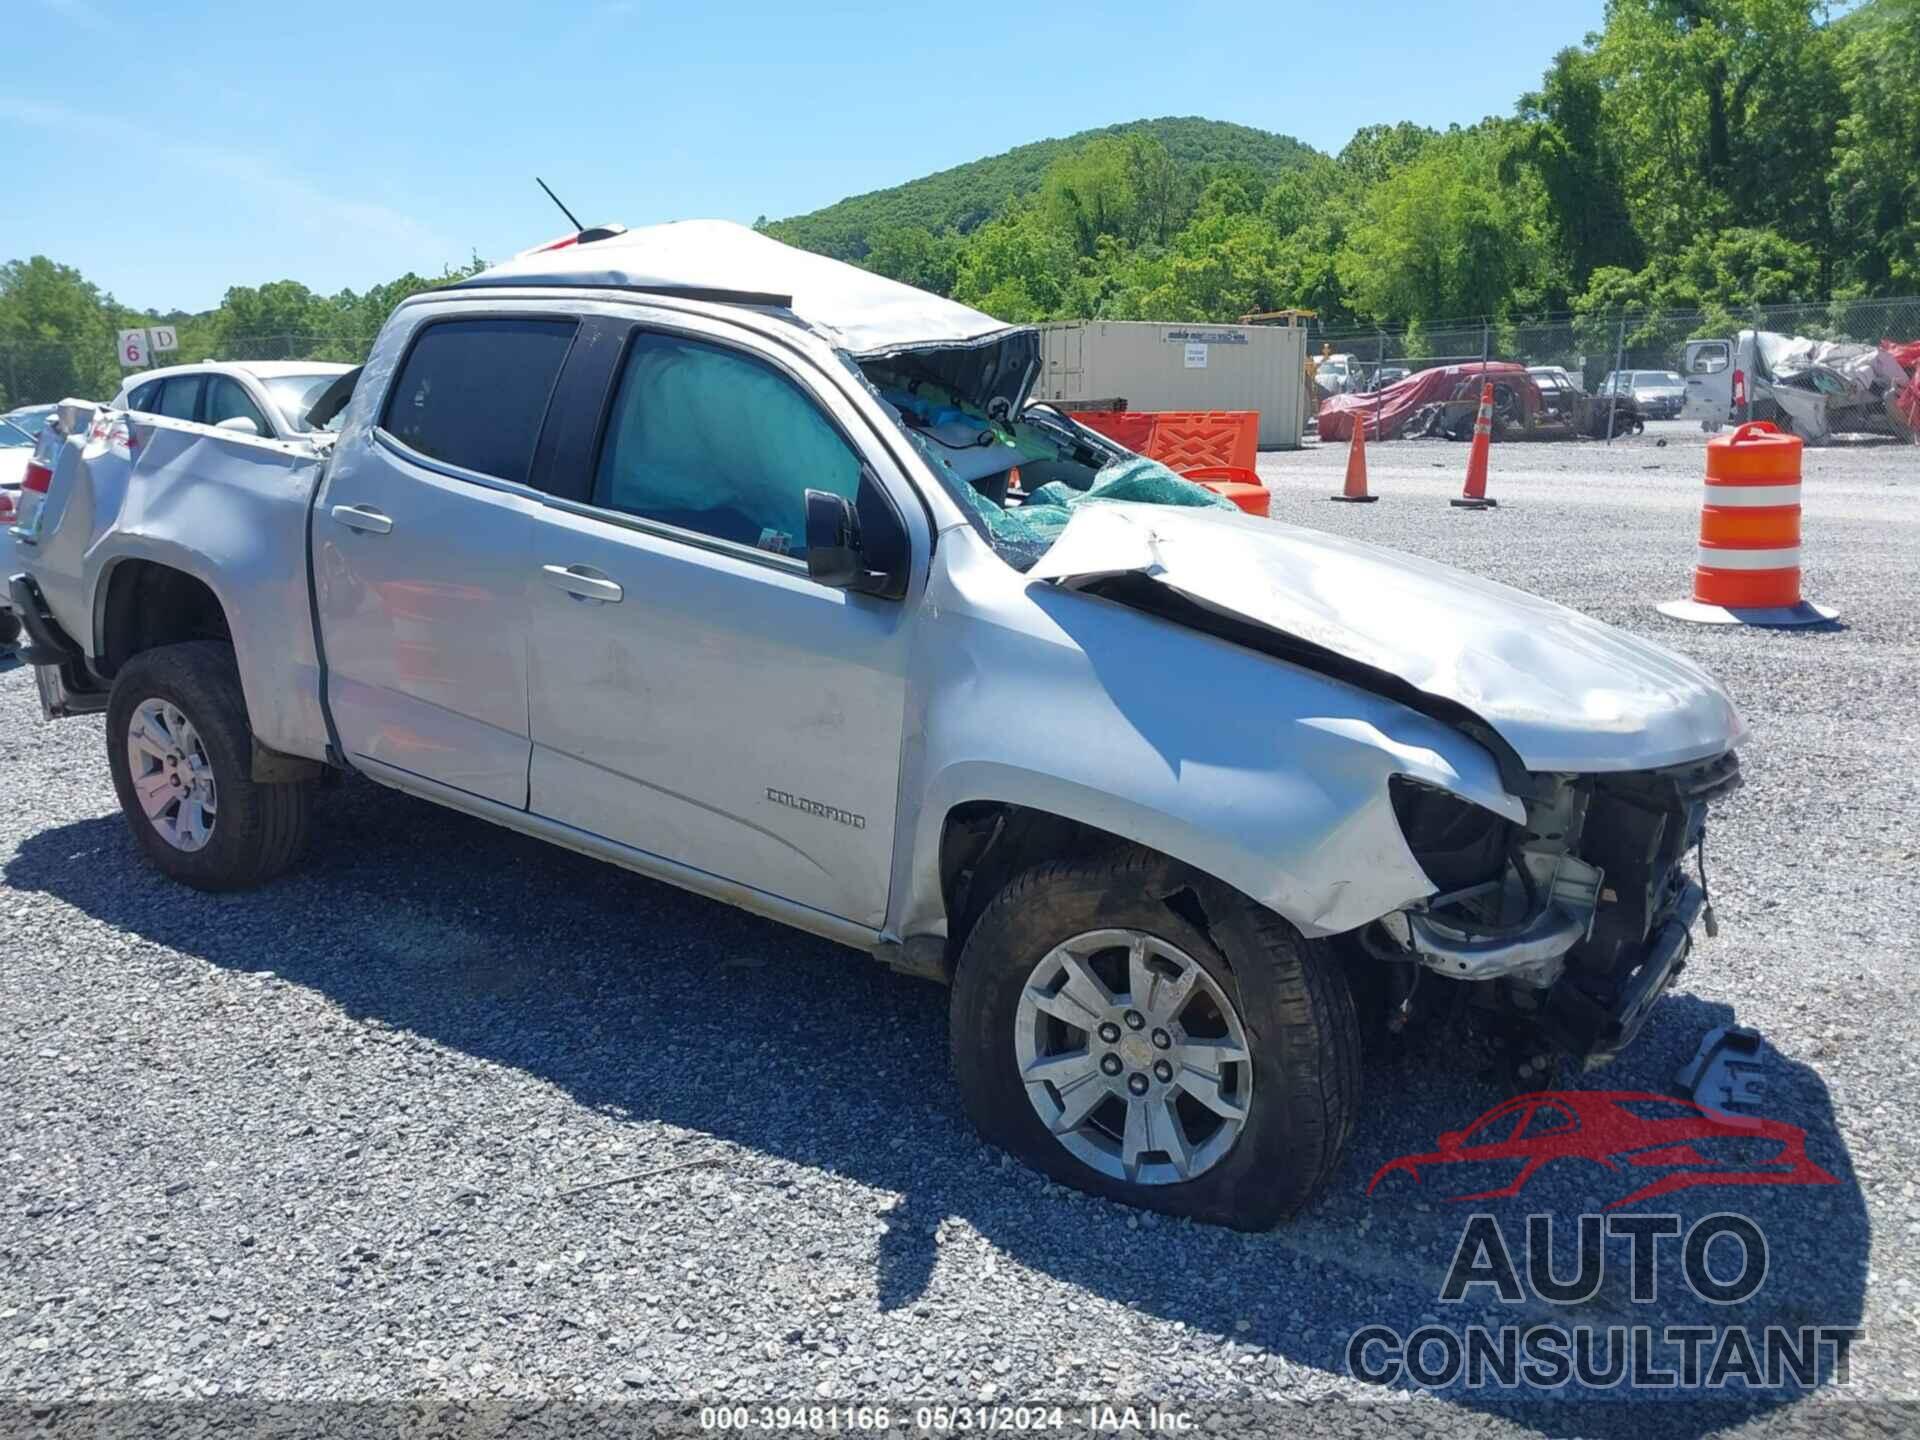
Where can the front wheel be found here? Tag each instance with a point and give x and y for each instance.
(1157, 1039)
(181, 752)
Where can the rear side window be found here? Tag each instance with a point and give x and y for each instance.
(180, 397)
(473, 393)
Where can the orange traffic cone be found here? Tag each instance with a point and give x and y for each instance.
(1474, 497)
(1356, 487)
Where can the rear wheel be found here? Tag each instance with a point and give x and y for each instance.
(181, 752)
(1165, 1043)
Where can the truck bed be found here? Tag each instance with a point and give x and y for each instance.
(130, 491)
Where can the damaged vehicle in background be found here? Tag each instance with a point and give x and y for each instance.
(1813, 388)
(757, 573)
(269, 398)
(1444, 402)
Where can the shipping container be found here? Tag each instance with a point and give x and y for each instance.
(1182, 367)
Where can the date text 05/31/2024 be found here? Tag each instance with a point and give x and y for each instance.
(949, 1419)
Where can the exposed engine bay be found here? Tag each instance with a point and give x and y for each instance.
(1573, 922)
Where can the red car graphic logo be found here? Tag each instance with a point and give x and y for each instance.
(1628, 1133)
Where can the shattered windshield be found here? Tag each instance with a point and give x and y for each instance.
(1021, 480)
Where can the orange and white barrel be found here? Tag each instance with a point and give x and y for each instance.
(1747, 563)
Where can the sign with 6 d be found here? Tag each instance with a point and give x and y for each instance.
(165, 338)
(132, 348)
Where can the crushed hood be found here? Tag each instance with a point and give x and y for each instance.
(858, 311)
(1565, 691)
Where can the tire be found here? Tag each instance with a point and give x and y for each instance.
(253, 831)
(1300, 1080)
(9, 629)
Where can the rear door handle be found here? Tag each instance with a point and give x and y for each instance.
(578, 581)
(359, 517)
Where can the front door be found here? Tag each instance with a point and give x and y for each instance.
(694, 695)
(422, 541)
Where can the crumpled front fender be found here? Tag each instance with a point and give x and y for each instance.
(1264, 775)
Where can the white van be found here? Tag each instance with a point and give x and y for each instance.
(1813, 388)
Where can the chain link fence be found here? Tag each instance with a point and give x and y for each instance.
(1588, 347)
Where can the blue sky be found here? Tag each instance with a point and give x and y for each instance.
(170, 150)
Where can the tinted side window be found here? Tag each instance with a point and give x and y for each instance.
(143, 396)
(180, 397)
(227, 401)
(474, 392)
(710, 440)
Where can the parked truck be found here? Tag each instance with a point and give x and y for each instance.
(707, 557)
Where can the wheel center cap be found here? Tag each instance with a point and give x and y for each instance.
(1136, 1050)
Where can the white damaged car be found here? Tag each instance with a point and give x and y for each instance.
(757, 573)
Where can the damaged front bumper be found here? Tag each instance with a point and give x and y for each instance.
(1666, 957)
(1532, 952)
(1578, 920)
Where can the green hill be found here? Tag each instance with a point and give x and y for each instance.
(967, 195)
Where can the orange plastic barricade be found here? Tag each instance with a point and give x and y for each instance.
(1747, 567)
(1185, 440)
(1131, 428)
(1182, 440)
(1236, 483)
(1216, 448)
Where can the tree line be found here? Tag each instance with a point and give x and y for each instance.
(1693, 155)
(57, 327)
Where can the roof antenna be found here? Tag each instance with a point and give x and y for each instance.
(556, 200)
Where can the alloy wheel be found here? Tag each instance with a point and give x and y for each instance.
(172, 774)
(1133, 1057)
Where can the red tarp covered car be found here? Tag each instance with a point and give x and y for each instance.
(1386, 412)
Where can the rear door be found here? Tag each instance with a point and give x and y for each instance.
(421, 547)
(1707, 368)
(694, 694)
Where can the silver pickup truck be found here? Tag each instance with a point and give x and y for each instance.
(755, 573)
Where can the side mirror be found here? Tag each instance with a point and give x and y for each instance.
(833, 540)
(239, 424)
(837, 554)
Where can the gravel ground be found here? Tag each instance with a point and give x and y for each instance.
(321, 1142)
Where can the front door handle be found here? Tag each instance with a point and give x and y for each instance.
(359, 517)
(578, 581)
